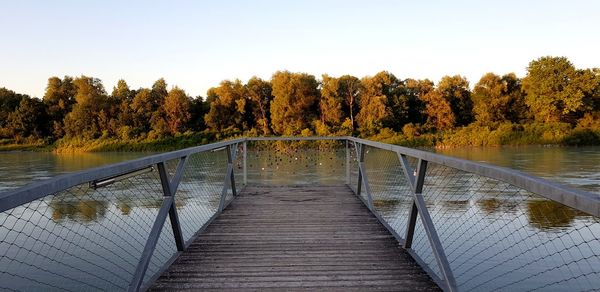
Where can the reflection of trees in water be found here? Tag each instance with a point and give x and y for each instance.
(93, 207)
(496, 206)
(81, 210)
(549, 215)
(296, 166)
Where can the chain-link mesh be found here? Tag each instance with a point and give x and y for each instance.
(496, 236)
(296, 162)
(86, 238)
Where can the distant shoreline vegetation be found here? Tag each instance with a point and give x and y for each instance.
(555, 103)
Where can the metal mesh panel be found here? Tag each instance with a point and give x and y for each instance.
(496, 236)
(238, 168)
(80, 238)
(499, 237)
(86, 238)
(353, 166)
(296, 162)
(199, 191)
(391, 192)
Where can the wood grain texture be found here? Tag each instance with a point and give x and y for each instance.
(295, 238)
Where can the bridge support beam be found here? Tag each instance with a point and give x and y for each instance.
(420, 208)
(168, 208)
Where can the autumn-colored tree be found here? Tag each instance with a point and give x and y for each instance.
(229, 107)
(177, 109)
(331, 102)
(295, 102)
(415, 90)
(83, 120)
(439, 112)
(142, 108)
(158, 119)
(557, 91)
(373, 110)
(350, 88)
(498, 99)
(260, 94)
(59, 99)
(455, 89)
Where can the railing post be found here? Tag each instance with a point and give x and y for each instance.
(228, 181)
(417, 188)
(362, 176)
(245, 170)
(168, 208)
(347, 163)
(231, 156)
(420, 208)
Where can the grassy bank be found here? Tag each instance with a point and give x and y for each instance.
(472, 135)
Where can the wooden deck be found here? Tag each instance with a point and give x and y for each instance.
(295, 238)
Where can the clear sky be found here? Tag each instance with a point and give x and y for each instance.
(196, 44)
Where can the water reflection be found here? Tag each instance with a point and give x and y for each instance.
(494, 206)
(81, 211)
(551, 216)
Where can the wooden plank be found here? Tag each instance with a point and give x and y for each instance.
(296, 238)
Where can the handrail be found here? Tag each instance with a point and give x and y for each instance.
(581, 200)
(33, 191)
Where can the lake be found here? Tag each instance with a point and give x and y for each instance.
(578, 167)
(533, 240)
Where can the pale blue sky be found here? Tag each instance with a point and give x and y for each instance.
(196, 44)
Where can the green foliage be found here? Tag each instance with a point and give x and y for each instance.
(177, 110)
(9, 101)
(557, 91)
(497, 99)
(295, 102)
(564, 101)
(260, 94)
(84, 119)
(455, 90)
(59, 99)
(29, 119)
(581, 137)
(229, 107)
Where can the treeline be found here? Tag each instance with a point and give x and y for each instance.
(554, 99)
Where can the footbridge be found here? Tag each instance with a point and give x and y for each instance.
(299, 213)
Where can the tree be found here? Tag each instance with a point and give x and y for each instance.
(331, 102)
(142, 108)
(349, 87)
(295, 102)
(177, 109)
(557, 91)
(198, 109)
(9, 101)
(229, 107)
(384, 103)
(260, 94)
(83, 120)
(497, 99)
(455, 89)
(158, 119)
(415, 90)
(29, 119)
(59, 99)
(439, 112)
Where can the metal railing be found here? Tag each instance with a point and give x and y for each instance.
(471, 226)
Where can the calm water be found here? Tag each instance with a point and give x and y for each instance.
(496, 237)
(578, 167)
